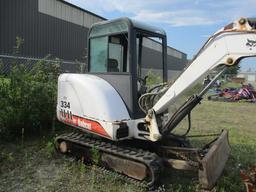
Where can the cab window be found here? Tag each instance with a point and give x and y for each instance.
(109, 54)
(98, 54)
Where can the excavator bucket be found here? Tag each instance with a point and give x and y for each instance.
(214, 161)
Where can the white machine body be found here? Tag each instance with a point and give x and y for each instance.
(90, 99)
(90, 103)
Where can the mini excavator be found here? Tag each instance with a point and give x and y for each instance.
(132, 124)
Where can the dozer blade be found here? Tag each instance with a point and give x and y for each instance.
(214, 161)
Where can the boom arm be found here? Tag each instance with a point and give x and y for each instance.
(226, 47)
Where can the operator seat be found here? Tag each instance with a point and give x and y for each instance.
(113, 65)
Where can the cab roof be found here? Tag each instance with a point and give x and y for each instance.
(122, 25)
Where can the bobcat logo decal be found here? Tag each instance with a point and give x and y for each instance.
(251, 43)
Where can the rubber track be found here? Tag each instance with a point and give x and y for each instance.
(151, 160)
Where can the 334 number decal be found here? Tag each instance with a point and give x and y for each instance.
(65, 104)
(65, 110)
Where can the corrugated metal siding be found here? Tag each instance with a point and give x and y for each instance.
(152, 59)
(67, 13)
(64, 40)
(175, 53)
(158, 47)
(18, 19)
(43, 34)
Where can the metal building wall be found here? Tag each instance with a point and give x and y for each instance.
(54, 32)
(60, 29)
(17, 19)
(66, 12)
(152, 59)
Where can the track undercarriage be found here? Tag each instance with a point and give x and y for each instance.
(144, 162)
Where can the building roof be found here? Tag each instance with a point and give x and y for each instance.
(84, 10)
(248, 72)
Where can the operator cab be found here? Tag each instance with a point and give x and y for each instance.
(123, 52)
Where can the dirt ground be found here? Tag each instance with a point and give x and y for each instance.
(34, 166)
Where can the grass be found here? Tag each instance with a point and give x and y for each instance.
(32, 169)
(239, 119)
(35, 167)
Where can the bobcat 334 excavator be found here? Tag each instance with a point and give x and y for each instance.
(130, 124)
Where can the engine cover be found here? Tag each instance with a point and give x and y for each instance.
(85, 99)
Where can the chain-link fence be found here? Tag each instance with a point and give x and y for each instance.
(8, 61)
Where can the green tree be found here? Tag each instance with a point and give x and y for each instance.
(28, 98)
(232, 70)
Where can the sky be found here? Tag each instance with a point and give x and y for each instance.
(188, 23)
